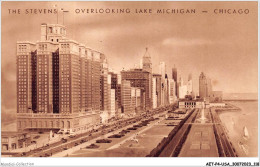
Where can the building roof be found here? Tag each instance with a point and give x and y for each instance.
(187, 100)
(159, 75)
(26, 42)
(11, 133)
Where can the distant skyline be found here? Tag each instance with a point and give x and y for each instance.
(223, 46)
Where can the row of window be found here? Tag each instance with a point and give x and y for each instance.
(43, 124)
(65, 46)
(58, 30)
(22, 48)
(42, 46)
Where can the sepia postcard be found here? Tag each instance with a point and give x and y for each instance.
(147, 79)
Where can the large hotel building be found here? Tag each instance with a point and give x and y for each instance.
(58, 82)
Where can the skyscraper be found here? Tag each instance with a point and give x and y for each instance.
(205, 88)
(172, 95)
(105, 90)
(56, 79)
(126, 96)
(154, 93)
(162, 70)
(158, 93)
(174, 77)
(183, 89)
(147, 62)
(140, 79)
(190, 85)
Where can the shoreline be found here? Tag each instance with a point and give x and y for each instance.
(233, 121)
(225, 124)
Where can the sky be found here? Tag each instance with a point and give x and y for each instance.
(223, 46)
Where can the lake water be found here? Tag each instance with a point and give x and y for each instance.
(235, 121)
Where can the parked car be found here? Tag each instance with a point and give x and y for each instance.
(93, 146)
(71, 135)
(61, 131)
(103, 141)
(33, 142)
(83, 141)
(64, 140)
(47, 155)
(36, 137)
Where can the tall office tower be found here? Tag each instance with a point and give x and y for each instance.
(147, 62)
(154, 93)
(111, 95)
(174, 77)
(190, 85)
(166, 94)
(158, 78)
(182, 89)
(95, 81)
(118, 95)
(162, 69)
(112, 102)
(114, 92)
(171, 88)
(133, 99)
(51, 85)
(138, 99)
(140, 79)
(114, 79)
(205, 88)
(174, 74)
(104, 84)
(126, 97)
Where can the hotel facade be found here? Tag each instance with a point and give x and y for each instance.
(58, 83)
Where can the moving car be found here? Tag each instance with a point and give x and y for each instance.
(64, 140)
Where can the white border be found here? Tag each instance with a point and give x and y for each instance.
(113, 162)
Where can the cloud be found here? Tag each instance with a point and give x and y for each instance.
(185, 42)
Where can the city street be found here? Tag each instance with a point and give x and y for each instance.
(92, 136)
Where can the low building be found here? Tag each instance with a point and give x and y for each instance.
(217, 104)
(183, 103)
(14, 140)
